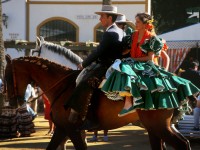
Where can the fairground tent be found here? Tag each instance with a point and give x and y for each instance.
(180, 43)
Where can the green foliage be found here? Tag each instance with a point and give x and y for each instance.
(170, 15)
(106, 2)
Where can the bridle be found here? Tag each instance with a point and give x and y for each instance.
(49, 89)
(16, 96)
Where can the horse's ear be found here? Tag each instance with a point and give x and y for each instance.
(38, 41)
(8, 59)
(41, 40)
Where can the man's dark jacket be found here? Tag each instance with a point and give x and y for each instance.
(109, 48)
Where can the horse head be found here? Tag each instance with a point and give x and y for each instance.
(14, 93)
(56, 53)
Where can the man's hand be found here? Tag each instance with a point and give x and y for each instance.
(80, 67)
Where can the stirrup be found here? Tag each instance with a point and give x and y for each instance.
(125, 112)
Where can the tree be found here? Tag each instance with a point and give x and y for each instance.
(2, 56)
(170, 15)
(107, 2)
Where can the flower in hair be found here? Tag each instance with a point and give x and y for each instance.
(149, 26)
(150, 21)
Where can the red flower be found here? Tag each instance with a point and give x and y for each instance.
(149, 26)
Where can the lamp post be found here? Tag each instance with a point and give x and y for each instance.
(5, 20)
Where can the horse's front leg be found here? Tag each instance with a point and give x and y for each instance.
(78, 139)
(62, 144)
(56, 139)
(181, 136)
(156, 142)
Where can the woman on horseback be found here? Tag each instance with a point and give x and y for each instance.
(139, 81)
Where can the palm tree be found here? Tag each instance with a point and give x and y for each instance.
(2, 56)
(107, 2)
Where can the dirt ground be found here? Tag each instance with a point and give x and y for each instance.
(126, 138)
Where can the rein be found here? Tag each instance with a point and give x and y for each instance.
(14, 82)
(44, 92)
(55, 84)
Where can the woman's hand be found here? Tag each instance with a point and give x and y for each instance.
(126, 51)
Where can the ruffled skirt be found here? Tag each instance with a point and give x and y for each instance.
(151, 86)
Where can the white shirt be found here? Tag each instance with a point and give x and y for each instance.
(110, 26)
(29, 91)
(1, 82)
(198, 98)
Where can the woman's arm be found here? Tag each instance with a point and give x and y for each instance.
(166, 59)
(150, 56)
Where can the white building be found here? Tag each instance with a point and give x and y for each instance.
(61, 19)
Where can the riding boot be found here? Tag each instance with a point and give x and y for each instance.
(74, 115)
(79, 101)
(89, 124)
(81, 96)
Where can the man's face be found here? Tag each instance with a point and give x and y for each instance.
(121, 25)
(105, 20)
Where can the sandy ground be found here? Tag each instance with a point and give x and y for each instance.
(126, 138)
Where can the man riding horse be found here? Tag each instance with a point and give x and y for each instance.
(96, 65)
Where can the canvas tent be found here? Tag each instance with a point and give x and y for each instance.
(180, 43)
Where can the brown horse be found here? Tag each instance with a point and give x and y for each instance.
(58, 83)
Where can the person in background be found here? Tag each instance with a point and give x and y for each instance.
(95, 136)
(34, 104)
(197, 114)
(121, 22)
(1, 86)
(47, 116)
(193, 75)
(28, 93)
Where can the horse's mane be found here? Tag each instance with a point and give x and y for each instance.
(42, 62)
(67, 53)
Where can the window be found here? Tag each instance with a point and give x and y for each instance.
(98, 32)
(57, 29)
